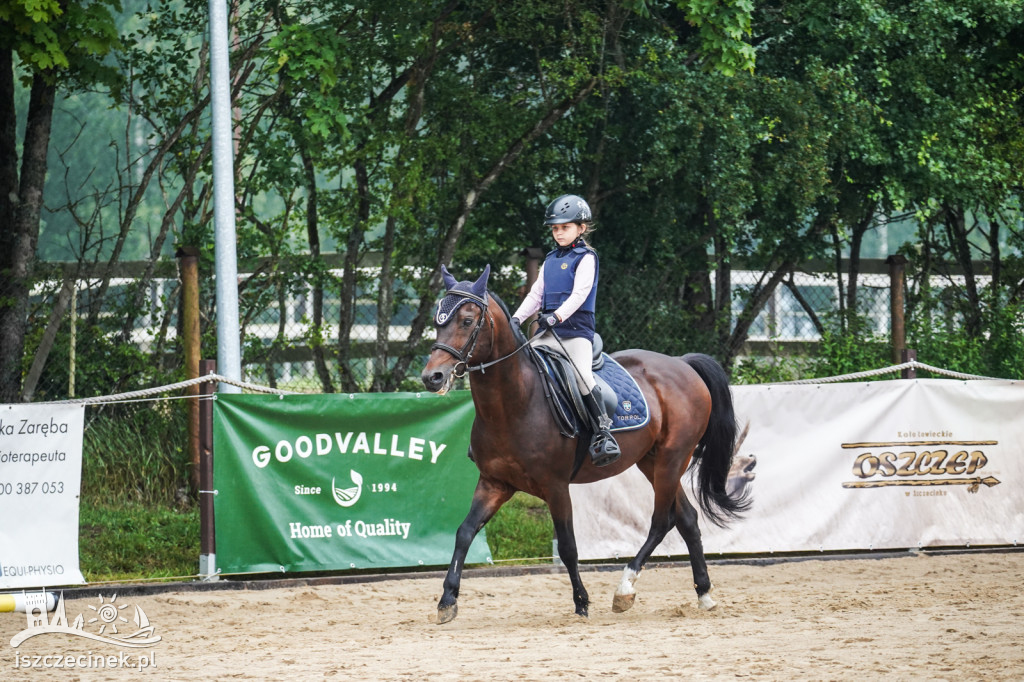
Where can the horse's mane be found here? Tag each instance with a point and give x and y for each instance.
(520, 337)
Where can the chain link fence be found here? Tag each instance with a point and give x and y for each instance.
(791, 320)
(122, 332)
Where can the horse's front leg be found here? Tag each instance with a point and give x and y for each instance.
(487, 500)
(560, 505)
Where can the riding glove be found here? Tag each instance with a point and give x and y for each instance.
(545, 322)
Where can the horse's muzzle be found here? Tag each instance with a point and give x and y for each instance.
(433, 379)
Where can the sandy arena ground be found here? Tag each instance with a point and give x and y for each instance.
(935, 617)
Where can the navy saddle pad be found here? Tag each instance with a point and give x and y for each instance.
(630, 405)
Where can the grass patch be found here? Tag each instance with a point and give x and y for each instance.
(133, 454)
(136, 520)
(137, 541)
(521, 530)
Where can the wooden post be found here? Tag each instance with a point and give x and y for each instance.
(534, 257)
(897, 265)
(908, 355)
(188, 267)
(207, 537)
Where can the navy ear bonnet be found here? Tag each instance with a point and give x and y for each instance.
(458, 293)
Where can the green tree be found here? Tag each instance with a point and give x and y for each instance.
(53, 45)
(921, 104)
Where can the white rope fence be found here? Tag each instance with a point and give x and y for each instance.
(912, 364)
(245, 385)
(169, 388)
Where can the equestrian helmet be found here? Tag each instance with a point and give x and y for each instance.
(567, 208)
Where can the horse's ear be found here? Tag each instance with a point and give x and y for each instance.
(449, 281)
(480, 286)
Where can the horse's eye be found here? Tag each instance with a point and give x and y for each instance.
(467, 321)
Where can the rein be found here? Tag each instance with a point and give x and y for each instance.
(466, 352)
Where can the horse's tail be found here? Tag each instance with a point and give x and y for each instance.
(713, 455)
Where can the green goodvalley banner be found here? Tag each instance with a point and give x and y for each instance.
(349, 481)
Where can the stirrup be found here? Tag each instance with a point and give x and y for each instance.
(604, 449)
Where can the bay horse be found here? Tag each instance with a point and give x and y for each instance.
(516, 444)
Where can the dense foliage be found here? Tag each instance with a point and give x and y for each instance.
(709, 137)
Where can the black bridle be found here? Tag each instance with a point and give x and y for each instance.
(462, 356)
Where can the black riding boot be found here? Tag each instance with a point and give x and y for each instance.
(603, 448)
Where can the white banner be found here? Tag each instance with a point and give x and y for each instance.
(40, 478)
(879, 465)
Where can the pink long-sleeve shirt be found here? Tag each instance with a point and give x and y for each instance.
(581, 286)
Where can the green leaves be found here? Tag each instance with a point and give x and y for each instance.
(724, 29)
(49, 40)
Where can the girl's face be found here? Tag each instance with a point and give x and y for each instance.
(566, 233)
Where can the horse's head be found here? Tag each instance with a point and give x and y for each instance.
(460, 317)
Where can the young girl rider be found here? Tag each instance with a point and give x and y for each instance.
(565, 294)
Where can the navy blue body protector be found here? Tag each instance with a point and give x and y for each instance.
(559, 275)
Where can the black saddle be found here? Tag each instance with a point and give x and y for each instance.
(562, 391)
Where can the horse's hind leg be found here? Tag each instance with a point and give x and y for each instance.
(686, 523)
(661, 522)
(684, 517)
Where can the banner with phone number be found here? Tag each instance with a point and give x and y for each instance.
(40, 478)
(341, 481)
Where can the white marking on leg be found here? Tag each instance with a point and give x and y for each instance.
(705, 602)
(629, 577)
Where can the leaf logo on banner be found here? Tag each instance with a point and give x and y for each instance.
(347, 497)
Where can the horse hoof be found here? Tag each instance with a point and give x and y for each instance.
(446, 614)
(705, 602)
(623, 602)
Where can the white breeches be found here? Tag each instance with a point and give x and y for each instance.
(581, 352)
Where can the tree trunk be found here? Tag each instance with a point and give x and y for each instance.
(313, 237)
(60, 306)
(385, 297)
(158, 243)
(856, 240)
(10, 357)
(346, 316)
(723, 291)
(757, 300)
(19, 237)
(995, 258)
(956, 229)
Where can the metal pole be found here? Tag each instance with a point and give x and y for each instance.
(229, 354)
(73, 340)
(207, 535)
